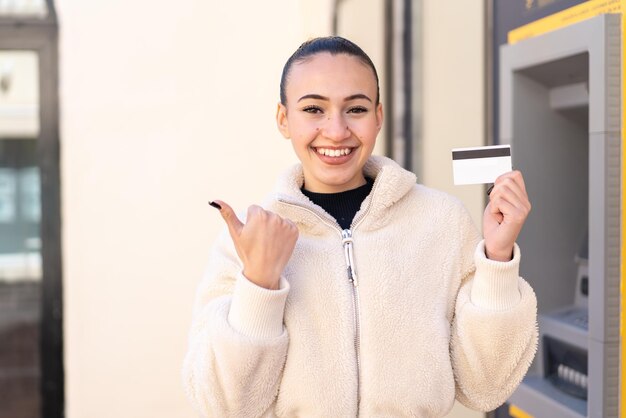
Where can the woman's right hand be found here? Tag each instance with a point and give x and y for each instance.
(264, 243)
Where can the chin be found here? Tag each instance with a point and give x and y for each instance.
(341, 183)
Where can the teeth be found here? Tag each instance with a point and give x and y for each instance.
(334, 152)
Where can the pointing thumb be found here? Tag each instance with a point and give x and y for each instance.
(230, 217)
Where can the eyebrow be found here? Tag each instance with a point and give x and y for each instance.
(347, 99)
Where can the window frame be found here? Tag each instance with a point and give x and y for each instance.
(40, 34)
(403, 99)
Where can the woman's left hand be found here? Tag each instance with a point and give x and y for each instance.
(505, 215)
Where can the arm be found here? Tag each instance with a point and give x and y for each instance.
(494, 333)
(237, 344)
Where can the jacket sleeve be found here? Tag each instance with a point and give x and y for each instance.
(494, 330)
(237, 343)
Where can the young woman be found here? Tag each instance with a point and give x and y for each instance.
(354, 291)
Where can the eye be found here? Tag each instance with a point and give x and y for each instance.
(357, 109)
(312, 109)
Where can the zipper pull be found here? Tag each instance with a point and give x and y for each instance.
(346, 241)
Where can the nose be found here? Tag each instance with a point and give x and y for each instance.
(336, 128)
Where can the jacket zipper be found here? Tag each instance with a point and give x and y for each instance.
(347, 242)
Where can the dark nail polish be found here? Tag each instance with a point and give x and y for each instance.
(215, 205)
(489, 190)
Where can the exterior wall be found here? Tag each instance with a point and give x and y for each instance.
(453, 88)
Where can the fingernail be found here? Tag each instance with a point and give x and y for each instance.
(490, 189)
(215, 205)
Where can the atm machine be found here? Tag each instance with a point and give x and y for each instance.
(560, 96)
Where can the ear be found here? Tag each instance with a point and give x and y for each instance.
(379, 116)
(281, 120)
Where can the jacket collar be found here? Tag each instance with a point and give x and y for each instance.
(391, 183)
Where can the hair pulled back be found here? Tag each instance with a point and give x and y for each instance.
(332, 44)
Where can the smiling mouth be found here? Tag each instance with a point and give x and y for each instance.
(333, 152)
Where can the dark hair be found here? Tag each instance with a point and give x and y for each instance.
(334, 45)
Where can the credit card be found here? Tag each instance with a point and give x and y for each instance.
(480, 164)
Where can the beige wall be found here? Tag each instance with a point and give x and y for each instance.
(164, 106)
(167, 105)
(453, 84)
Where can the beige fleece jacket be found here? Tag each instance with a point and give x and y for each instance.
(430, 318)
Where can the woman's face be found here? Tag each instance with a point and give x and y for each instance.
(332, 120)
